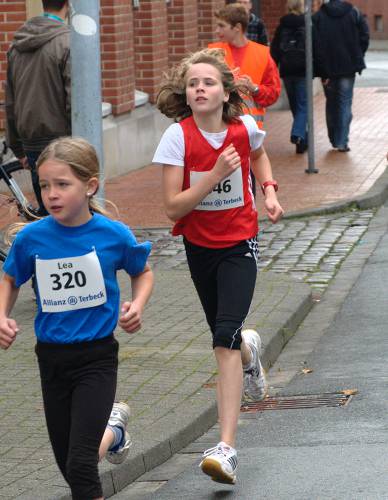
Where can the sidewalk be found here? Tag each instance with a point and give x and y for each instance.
(342, 176)
(166, 371)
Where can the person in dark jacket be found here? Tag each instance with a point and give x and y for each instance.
(288, 51)
(37, 96)
(256, 31)
(340, 40)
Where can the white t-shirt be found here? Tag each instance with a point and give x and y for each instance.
(171, 148)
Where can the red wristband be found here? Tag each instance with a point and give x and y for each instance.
(269, 183)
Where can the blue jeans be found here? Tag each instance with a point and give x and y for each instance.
(339, 97)
(297, 97)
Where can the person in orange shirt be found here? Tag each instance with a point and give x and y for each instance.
(250, 62)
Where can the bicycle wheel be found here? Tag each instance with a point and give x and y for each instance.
(3, 252)
(16, 192)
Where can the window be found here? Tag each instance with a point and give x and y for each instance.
(378, 23)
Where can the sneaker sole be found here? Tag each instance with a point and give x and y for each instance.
(213, 469)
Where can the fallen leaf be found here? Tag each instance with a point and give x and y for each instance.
(349, 392)
(307, 370)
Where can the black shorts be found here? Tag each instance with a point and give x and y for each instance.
(225, 280)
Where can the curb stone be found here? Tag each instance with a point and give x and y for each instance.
(374, 197)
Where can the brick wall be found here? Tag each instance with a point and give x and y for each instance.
(182, 30)
(207, 21)
(117, 55)
(151, 46)
(271, 12)
(12, 15)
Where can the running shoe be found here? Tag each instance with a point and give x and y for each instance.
(119, 417)
(220, 463)
(255, 384)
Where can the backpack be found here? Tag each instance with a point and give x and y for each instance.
(292, 46)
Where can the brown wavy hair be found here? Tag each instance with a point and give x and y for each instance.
(171, 99)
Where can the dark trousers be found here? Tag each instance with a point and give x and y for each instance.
(339, 98)
(225, 280)
(78, 386)
(32, 157)
(297, 98)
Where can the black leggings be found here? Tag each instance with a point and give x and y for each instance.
(78, 386)
(225, 280)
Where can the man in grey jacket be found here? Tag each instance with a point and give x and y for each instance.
(37, 95)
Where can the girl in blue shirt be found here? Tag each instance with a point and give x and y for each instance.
(74, 254)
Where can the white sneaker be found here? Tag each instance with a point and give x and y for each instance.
(220, 463)
(255, 384)
(119, 417)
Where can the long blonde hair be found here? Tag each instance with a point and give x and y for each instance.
(171, 100)
(82, 158)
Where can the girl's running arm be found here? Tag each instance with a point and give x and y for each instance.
(131, 311)
(8, 295)
(179, 203)
(262, 170)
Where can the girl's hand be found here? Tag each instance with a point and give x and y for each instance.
(130, 319)
(274, 210)
(8, 331)
(228, 161)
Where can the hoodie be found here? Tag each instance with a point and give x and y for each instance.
(340, 38)
(38, 85)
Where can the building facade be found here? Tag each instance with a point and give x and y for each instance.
(376, 12)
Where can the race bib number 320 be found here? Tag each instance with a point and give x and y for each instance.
(70, 283)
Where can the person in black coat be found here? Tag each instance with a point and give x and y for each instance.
(288, 51)
(340, 40)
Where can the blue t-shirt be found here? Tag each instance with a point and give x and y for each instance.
(116, 248)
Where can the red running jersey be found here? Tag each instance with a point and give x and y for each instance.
(228, 214)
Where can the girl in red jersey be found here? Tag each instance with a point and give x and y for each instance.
(206, 157)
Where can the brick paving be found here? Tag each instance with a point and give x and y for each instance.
(341, 175)
(309, 249)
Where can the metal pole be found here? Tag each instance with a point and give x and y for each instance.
(309, 89)
(86, 107)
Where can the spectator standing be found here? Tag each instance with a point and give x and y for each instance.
(288, 49)
(256, 31)
(340, 38)
(250, 62)
(38, 103)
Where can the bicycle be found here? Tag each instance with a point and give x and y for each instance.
(14, 176)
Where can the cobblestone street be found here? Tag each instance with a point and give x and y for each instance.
(310, 249)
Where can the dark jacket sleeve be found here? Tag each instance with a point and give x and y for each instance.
(363, 30)
(12, 136)
(275, 45)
